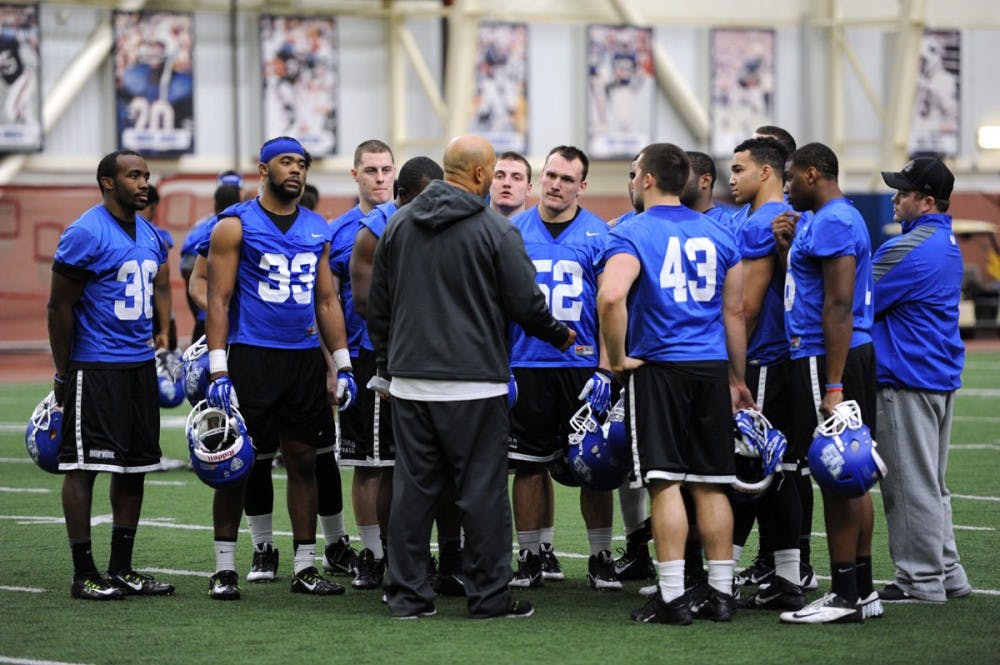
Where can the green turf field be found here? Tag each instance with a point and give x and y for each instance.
(39, 621)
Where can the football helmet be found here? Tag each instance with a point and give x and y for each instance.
(615, 424)
(221, 450)
(44, 434)
(842, 455)
(561, 473)
(595, 462)
(195, 370)
(759, 448)
(170, 378)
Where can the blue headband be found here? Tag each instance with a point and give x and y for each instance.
(230, 178)
(280, 146)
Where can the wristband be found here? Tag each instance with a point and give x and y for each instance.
(605, 372)
(834, 387)
(58, 379)
(217, 361)
(342, 359)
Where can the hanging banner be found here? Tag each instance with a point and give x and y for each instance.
(301, 72)
(154, 83)
(742, 95)
(936, 105)
(20, 92)
(620, 91)
(501, 106)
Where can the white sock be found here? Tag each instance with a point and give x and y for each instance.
(720, 575)
(371, 538)
(225, 555)
(261, 529)
(633, 504)
(786, 564)
(737, 553)
(332, 527)
(671, 574)
(546, 534)
(305, 556)
(529, 540)
(600, 540)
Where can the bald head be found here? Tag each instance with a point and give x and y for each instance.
(469, 162)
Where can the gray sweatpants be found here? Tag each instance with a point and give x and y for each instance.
(914, 431)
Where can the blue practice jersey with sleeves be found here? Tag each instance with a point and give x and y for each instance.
(114, 316)
(205, 237)
(376, 220)
(675, 304)
(837, 229)
(768, 345)
(164, 234)
(343, 230)
(918, 283)
(198, 233)
(272, 304)
(566, 271)
(722, 217)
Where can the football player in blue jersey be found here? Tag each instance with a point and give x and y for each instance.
(149, 212)
(828, 321)
(697, 193)
(757, 183)
(110, 273)
(271, 300)
(565, 243)
(511, 184)
(671, 315)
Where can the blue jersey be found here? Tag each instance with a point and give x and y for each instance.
(675, 305)
(918, 283)
(768, 345)
(164, 234)
(343, 230)
(376, 220)
(114, 316)
(837, 229)
(723, 218)
(200, 232)
(273, 302)
(204, 239)
(566, 272)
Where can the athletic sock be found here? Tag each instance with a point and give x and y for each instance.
(600, 540)
(305, 555)
(261, 529)
(83, 556)
(225, 555)
(332, 527)
(786, 564)
(671, 579)
(737, 553)
(844, 580)
(546, 534)
(122, 541)
(720, 575)
(529, 540)
(863, 573)
(371, 538)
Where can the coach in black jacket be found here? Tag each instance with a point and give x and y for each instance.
(449, 276)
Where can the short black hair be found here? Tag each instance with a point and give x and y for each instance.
(152, 196)
(778, 134)
(668, 164)
(819, 157)
(414, 172)
(310, 197)
(765, 150)
(108, 166)
(517, 157)
(702, 164)
(371, 146)
(225, 196)
(569, 153)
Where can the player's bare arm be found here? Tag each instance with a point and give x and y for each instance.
(65, 293)
(838, 323)
(362, 258)
(736, 337)
(757, 274)
(619, 274)
(223, 264)
(161, 301)
(198, 284)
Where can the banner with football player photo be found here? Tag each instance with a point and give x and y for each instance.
(301, 72)
(154, 82)
(20, 89)
(936, 105)
(620, 91)
(501, 104)
(742, 92)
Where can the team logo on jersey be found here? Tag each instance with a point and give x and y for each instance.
(583, 350)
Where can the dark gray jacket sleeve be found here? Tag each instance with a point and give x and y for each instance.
(522, 300)
(380, 305)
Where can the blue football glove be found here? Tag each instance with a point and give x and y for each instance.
(222, 395)
(774, 450)
(597, 391)
(511, 392)
(347, 389)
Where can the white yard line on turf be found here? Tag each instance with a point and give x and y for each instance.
(32, 661)
(27, 490)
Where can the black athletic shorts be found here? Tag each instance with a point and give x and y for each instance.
(546, 400)
(366, 428)
(771, 387)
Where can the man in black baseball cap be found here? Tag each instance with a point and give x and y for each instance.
(925, 175)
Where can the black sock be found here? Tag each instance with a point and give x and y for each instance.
(864, 576)
(804, 549)
(122, 540)
(845, 580)
(83, 557)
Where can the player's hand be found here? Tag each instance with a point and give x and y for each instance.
(774, 450)
(222, 395)
(741, 396)
(629, 365)
(59, 388)
(347, 389)
(380, 385)
(569, 340)
(830, 400)
(597, 391)
(162, 341)
(783, 228)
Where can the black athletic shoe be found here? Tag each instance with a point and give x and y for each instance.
(520, 609)
(418, 614)
(601, 572)
(308, 580)
(715, 606)
(339, 558)
(761, 571)
(136, 584)
(677, 612)
(551, 568)
(529, 571)
(635, 562)
(224, 585)
(778, 595)
(95, 587)
(368, 572)
(448, 581)
(264, 567)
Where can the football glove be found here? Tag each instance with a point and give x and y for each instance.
(347, 389)
(597, 391)
(222, 395)
(379, 384)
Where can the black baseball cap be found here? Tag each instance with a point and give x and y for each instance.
(927, 175)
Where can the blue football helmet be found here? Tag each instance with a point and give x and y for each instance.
(615, 424)
(221, 450)
(595, 462)
(44, 434)
(759, 448)
(842, 456)
(170, 378)
(195, 370)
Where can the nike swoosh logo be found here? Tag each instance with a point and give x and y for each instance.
(317, 235)
(592, 234)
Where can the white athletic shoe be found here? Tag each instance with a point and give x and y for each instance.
(830, 608)
(871, 607)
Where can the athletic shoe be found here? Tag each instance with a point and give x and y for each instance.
(601, 572)
(830, 608)
(551, 568)
(308, 580)
(677, 612)
(529, 571)
(648, 591)
(95, 586)
(809, 581)
(635, 562)
(761, 571)
(893, 593)
(419, 614)
(871, 607)
(136, 584)
(713, 606)
(368, 572)
(958, 593)
(224, 585)
(448, 580)
(520, 609)
(339, 558)
(264, 567)
(778, 595)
